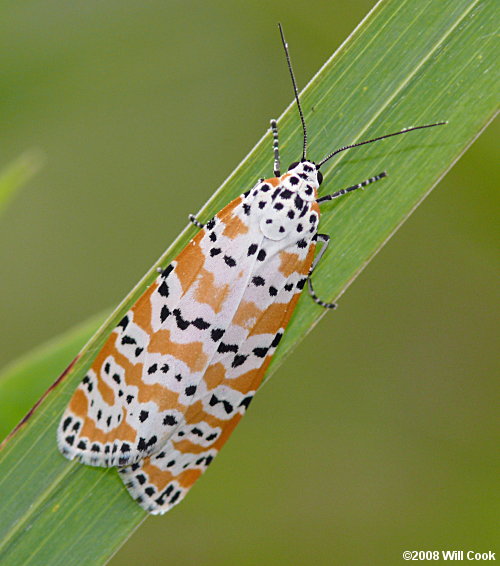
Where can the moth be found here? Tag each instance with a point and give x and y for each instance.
(179, 371)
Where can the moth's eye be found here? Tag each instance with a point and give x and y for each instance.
(293, 165)
(320, 177)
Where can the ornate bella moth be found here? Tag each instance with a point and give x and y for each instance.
(179, 371)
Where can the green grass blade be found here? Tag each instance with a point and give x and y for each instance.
(24, 381)
(17, 174)
(380, 80)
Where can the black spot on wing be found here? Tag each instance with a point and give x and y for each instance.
(252, 249)
(229, 261)
(301, 283)
(238, 360)
(166, 272)
(164, 313)
(200, 323)
(124, 322)
(246, 402)
(260, 352)
(217, 334)
(181, 322)
(223, 348)
(143, 444)
(66, 423)
(169, 420)
(276, 340)
(258, 281)
(163, 289)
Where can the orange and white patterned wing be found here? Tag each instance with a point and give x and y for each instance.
(179, 371)
(234, 373)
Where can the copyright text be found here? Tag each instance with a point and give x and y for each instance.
(448, 555)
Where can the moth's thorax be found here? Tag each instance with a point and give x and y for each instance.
(285, 207)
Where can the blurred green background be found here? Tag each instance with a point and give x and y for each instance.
(379, 434)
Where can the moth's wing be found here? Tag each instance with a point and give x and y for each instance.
(136, 391)
(235, 372)
(95, 427)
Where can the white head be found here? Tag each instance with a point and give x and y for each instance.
(304, 177)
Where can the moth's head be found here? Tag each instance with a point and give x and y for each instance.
(306, 171)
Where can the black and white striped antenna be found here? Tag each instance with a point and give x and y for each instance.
(404, 131)
(296, 91)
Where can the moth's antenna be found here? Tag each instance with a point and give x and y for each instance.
(295, 90)
(404, 131)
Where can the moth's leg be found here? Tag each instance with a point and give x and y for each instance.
(193, 220)
(276, 149)
(353, 188)
(325, 239)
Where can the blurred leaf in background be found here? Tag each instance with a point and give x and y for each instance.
(25, 380)
(383, 419)
(16, 174)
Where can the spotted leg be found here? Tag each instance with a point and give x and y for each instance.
(325, 239)
(193, 220)
(274, 130)
(326, 198)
